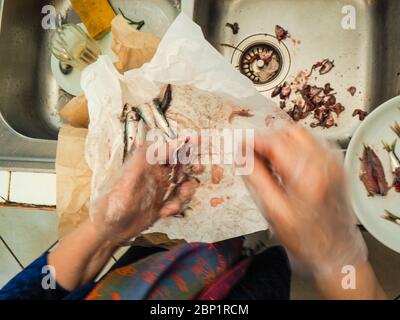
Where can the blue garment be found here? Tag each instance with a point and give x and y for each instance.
(268, 277)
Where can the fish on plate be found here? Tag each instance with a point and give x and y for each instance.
(372, 173)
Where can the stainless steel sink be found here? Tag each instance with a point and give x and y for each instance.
(29, 95)
(365, 57)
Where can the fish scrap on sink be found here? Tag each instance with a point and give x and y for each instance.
(302, 100)
(282, 34)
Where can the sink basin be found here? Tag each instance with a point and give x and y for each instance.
(30, 97)
(28, 94)
(366, 56)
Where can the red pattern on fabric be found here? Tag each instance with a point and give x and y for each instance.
(95, 293)
(221, 287)
(115, 296)
(180, 283)
(149, 277)
(127, 271)
(181, 273)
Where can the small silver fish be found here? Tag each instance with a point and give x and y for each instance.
(161, 121)
(146, 113)
(131, 126)
(140, 134)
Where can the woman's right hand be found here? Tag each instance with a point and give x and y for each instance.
(307, 206)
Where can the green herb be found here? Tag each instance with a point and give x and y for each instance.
(391, 217)
(396, 128)
(139, 24)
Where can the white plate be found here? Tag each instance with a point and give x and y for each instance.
(369, 210)
(71, 83)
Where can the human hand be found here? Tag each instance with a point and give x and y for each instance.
(135, 200)
(307, 207)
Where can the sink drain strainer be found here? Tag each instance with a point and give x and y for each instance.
(263, 59)
(261, 63)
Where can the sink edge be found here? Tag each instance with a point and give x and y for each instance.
(18, 152)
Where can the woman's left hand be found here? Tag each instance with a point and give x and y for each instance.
(134, 201)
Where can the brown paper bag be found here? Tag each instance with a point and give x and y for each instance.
(73, 178)
(133, 48)
(73, 188)
(76, 112)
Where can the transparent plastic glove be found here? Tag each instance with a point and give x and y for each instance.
(134, 200)
(307, 207)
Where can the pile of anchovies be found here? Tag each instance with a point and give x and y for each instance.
(150, 115)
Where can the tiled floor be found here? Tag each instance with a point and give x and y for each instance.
(28, 187)
(9, 266)
(33, 188)
(28, 233)
(24, 235)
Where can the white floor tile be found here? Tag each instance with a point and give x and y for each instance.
(8, 266)
(33, 188)
(28, 232)
(4, 180)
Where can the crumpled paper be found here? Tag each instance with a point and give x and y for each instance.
(73, 177)
(183, 58)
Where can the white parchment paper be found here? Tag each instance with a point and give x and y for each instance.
(184, 57)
